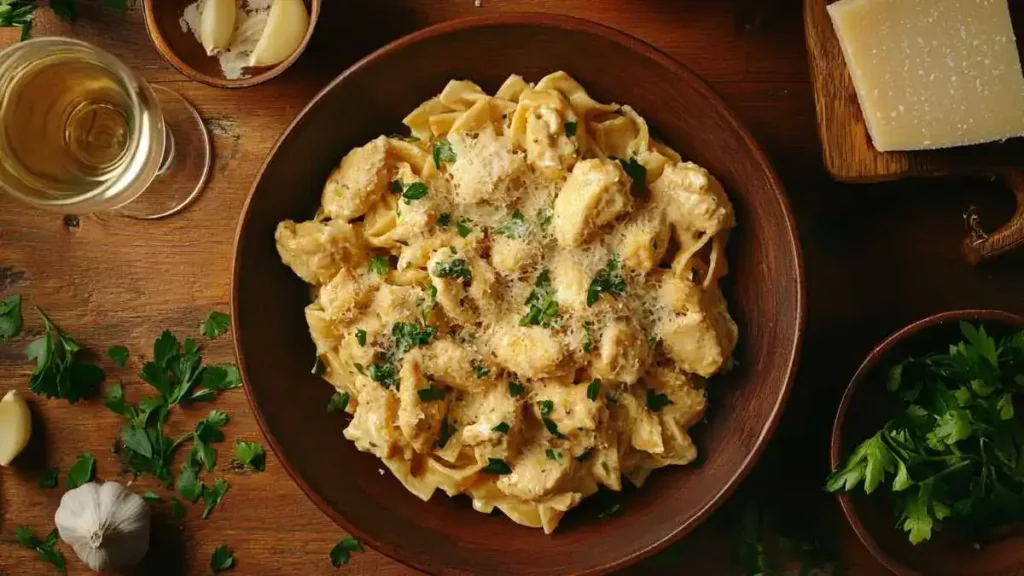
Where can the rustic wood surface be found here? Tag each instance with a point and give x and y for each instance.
(877, 257)
(846, 144)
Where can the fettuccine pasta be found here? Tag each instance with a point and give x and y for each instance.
(519, 301)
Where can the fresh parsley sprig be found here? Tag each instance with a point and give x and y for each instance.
(956, 452)
(45, 548)
(10, 307)
(59, 373)
(541, 303)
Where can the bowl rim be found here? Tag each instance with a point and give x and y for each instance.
(168, 54)
(683, 74)
(870, 363)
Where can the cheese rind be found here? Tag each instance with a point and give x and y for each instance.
(933, 73)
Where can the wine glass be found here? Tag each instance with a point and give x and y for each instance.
(81, 133)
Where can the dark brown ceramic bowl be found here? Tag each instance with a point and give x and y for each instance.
(185, 53)
(444, 535)
(866, 407)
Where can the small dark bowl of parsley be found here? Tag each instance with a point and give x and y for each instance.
(928, 446)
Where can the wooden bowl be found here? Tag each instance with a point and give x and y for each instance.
(184, 52)
(275, 353)
(867, 406)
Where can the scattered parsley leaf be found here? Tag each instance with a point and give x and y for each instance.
(188, 484)
(379, 265)
(341, 551)
(544, 217)
(177, 508)
(431, 394)
(212, 495)
(637, 173)
(361, 336)
(444, 219)
(463, 227)
(594, 389)
(49, 479)
(415, 191)
(10, 307)
(656, 401)
(496, 466)
(57, 374)
(570, 129)
(553, 455)
(503, 428)
(338, 402)
(542, 306)
(443, 152)
(119, 354)
(608, 280)
(46, 549)
(588, 339)
(455, 268)
(222, 559)
(251, 455)
(81, 471)
(515, 227)
(546, 406)
(216, 323)
(151, 497)
(515, 388)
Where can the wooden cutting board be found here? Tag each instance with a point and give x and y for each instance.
(850, 157)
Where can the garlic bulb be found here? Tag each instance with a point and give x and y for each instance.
(15, 426)
(107, 525)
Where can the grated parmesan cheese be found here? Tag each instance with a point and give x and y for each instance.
(249, 25)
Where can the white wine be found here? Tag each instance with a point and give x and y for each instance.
(76, 128)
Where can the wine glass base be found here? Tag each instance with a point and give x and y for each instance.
(181, 181)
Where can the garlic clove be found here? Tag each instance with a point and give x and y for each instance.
(106, 525)
(15, 426)
(216, 24)
(286, 27)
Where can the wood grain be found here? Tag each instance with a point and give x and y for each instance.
(846, 144)
(877, 257)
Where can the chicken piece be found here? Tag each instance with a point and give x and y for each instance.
(481, 419)
(679, 295)
(484, 166)
(693, 199)
(570, 281)
(642, 240)
(643, 426)
(358, 182)
(623, 353)
(540, 126)
(423, 405)
(511, 256)
(451, 363)
(566, 404)
(373, 428)
(699, 341)
(451, 274)
(317, 250)
(596, 193)
(534, 475)
(529, 351)
(346, 294)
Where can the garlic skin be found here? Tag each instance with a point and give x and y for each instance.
(107, 525)
(287, 26)
(15, 426)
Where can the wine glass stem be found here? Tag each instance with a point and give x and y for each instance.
(169, 148)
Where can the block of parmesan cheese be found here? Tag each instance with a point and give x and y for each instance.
(933, 73)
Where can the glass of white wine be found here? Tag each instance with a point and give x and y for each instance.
(81, 133)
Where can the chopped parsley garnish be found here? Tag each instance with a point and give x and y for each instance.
(570, 129)
(656, 401)
(343, 550)
(463, 227)
(546, 406)
(480, 370)
(20, 13)
(360, 368)
(57, 374)
(443, 152)
(610, 511)
(222, 559)
(430, 301)
(444, 220)
(395, 187)
(638, 173)
(338, 402)
(455, 268)
(608, 280)
(552, 427)
(251, 455)
(46, 548)
(503, 428)
(151, 497)
(588, 339)
(553, 455)
(594, 389)
(119, 354)
(213, 495)
(361, 336)
(216, 323)
(81, 471)
(385, 374)
(445, 433)
(515, 227)
(408, 336)
(10, 317)
(49, 479)
(404, 138)
(544, 217)
(543, 308)
(379, 265)
(515, 388)
(431, 394)
(583, 457)
(415, 191)
(496, 466)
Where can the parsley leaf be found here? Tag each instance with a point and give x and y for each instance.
(16, 13)
(216, 323)
(361, 336)
(177, 508)
(415, 191)
(212, 495)
(455, 268)
(637, 173)
(553, 455)
(48, 480)
(444, 219)
(151, 497)
(480, 370)
(588, 339)
(544, 217)
(379, 265)
(223, 558)
(656, 401)
(608, 280)
(10, 307)
(119, 354)
(503, 428)
(338, 402)
(188, 484)
(445, 433)
(443, 152)
(341, 551)
(57, 374)
(251, 455)
(543, 308)
(515, 388)
(594, 389)
(515, 227)
(546, 406)
(570, 129)
(46, 549)
(463, 227)
(496, 466)
(81, 471)
(431, 394)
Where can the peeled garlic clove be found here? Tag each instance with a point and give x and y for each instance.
(107, 525)
(15, 426)
(286, 27)
(216, 24)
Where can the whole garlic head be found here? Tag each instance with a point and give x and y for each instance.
(107, 525)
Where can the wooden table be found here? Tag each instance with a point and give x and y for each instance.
(877, 257)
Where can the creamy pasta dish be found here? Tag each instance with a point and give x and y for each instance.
(519, 301)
